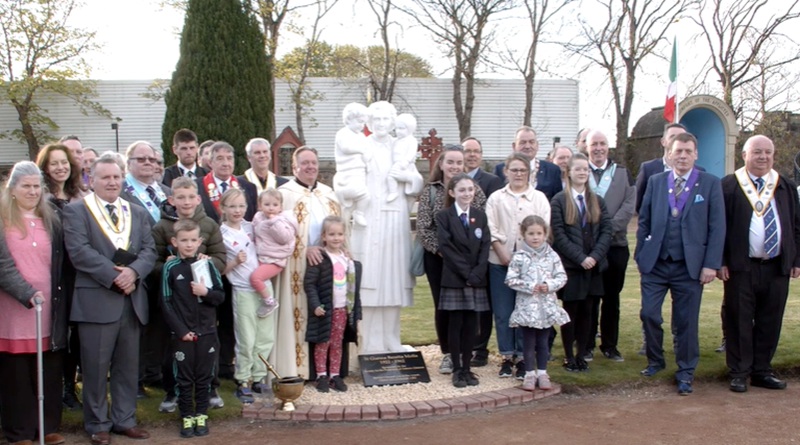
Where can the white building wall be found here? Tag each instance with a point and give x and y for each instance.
(498, 113)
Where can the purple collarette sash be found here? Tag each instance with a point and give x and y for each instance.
(677, 207)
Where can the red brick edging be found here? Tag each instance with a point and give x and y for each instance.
(402, 410)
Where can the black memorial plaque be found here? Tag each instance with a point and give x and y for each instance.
(395, 368)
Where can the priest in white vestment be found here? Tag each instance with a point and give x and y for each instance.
(310, 202)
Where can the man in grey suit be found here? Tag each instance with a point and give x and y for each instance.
(112, 249)
(678, 248)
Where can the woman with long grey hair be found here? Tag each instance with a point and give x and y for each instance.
(31, 255)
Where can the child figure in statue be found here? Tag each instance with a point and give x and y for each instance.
(404, 151)
(351, 155)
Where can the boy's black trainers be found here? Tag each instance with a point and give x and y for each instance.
(337, 384)
(323, 384)
(201, 425)
(506, 369)
(520, 372)
(187, 428)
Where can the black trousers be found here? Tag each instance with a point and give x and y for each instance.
(227, 339)
(19, 394)
(613, 282)
(194, 364)
(754, 306)
(577, 330)
(461, 337)
(72, 358)
(433, 271)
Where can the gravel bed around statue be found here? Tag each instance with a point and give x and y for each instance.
(440, 387)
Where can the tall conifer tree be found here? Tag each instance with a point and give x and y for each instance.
(221, 85)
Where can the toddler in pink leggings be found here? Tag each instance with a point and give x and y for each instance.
(275, 232)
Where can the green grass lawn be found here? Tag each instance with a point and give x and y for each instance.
(418, 329)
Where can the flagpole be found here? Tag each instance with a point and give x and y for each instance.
(677, 71)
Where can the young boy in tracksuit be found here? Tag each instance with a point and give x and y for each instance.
(190, 311)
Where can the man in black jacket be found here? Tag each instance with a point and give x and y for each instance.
(545, 176)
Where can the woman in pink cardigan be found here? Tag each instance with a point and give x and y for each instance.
(31, 254)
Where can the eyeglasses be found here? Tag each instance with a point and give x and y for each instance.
(518, 171)
(143, 159)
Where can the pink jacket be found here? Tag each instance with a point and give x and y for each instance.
(275, 238)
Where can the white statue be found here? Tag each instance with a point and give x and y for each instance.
(351, 153)
(383, 245)
(404, 151)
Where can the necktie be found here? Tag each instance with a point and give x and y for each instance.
(113, 214)
(464, 221)
(770, 227)
(678, 187)
(598, 173)
(582, 210)
(189, 173)
(151, 192)
(224, 186)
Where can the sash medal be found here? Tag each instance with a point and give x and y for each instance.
(759, 201)
(678, 205)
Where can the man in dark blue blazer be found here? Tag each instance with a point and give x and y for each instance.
(657, 165)
(547, 175)
(679, 247)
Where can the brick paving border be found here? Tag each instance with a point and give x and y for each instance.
(404, 410)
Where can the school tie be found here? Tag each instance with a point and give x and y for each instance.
(678, 187)
(113, 214)
(189, 174)
(464, 221)
(582, 209)
(224, 186)
(770, 227)
(151, 192)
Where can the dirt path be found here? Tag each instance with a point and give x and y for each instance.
(653, 415)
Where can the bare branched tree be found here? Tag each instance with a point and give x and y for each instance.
(540, 12)
(618, 41)
(382, 83)
(298, 78)
(739, 33)
(41, 52)
(462, 28)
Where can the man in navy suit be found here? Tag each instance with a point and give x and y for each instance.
(489, 183)
(762, 250)
(657, 165)
(546, 176)
(678, 248)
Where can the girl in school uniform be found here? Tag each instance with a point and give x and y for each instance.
(464, 241)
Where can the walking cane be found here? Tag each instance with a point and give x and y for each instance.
(38, 301)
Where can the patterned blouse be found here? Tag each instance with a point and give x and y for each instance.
(431, 200)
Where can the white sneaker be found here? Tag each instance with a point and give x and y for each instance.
(529, 382)
(267, 307)
(169, 405)
(544, 382)
(215, 402)
(446, 367)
